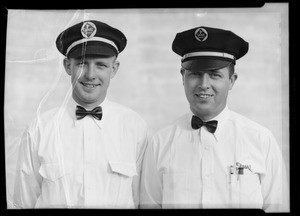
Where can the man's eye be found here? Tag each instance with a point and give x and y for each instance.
(101, 65)
(194, 73)
(215, 75)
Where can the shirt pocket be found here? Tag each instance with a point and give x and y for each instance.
(51, 171)
(245, 191)
(54, 186)
(121, 183)
(175, 190)
(123, 169)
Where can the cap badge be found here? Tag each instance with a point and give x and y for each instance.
(88, 29)
(201, 34)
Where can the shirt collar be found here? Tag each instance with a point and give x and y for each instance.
(221, 118)
(72, 109)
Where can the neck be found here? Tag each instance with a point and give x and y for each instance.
(206, 116)
(89, 106)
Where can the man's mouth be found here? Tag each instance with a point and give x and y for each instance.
(89, 85)
(203, 96)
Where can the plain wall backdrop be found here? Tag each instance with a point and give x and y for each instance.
(149, 79)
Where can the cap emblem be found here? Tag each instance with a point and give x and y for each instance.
(201, 34)
(88, 29)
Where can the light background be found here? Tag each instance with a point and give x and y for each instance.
(149, 79)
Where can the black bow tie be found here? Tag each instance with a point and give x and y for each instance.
(81, 112)
(198, 123)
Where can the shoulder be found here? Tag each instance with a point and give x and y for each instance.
(126, 114)
(246, 123)
(170, 131)
(259, 135)
(44, 122)
(163, 140)
(120, 107)
(44, 118)
(41, 123)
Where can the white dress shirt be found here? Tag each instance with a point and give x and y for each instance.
(86, 163)
(187, 168)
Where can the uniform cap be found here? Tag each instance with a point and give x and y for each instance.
(91, 37)
(205, 48)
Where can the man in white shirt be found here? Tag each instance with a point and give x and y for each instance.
(88, 152)
(212, 157)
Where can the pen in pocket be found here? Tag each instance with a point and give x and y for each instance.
(240, 172)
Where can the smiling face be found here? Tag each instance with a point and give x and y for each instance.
(207, 91)
(90, 77)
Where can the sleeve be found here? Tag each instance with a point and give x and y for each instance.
(141, 147)
(274, 182)
(28, 181)
(151, 180)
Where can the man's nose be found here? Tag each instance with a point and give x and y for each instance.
(204, 81)
(89, 72)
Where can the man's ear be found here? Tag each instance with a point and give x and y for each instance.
(115, 68)
(233, 78)
(182, 71)
(67, 65)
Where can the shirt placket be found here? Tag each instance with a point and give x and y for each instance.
(206, 139)
(88, 173)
